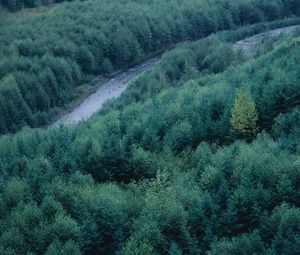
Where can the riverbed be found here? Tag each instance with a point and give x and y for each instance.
(115, 86)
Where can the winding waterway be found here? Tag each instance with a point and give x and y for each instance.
(117, 84)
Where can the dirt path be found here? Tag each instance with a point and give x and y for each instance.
(117, 84)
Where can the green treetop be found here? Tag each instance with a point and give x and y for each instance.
(244, 114)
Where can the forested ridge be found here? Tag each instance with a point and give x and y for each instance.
(46, 59)
(199, 156)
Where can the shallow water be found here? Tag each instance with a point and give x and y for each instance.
(110, 89)
(117, 84)
(248, 44)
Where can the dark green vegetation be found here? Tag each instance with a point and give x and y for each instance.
(45, 58)
(161, 170)
(190, 60)
(15, 5)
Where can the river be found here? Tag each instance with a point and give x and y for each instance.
(117, 84)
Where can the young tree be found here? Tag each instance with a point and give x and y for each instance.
(244, 115)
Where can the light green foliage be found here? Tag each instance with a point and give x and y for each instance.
(244, 115)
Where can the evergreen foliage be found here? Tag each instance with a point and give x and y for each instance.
(244, 115)
(50, 54)
(161, 172)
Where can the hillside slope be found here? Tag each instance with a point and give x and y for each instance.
(203, 185)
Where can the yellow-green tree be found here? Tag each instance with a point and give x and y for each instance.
(244, 115)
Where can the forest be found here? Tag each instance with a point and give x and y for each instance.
(199, 156)
(48, 59)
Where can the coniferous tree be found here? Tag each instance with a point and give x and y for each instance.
(244, 115)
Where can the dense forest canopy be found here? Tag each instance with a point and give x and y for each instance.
(46, 59)
(163, 170)
(200, 155)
